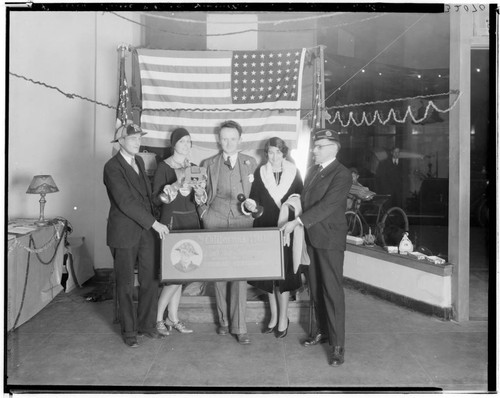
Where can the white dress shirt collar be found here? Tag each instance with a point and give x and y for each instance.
(129, 158)
(324, 165)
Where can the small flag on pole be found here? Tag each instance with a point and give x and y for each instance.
(123, 107)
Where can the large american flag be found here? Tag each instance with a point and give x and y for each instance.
(197, 90)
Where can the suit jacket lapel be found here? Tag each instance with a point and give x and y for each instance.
(214, 168)
(315, 177)
(131, 174)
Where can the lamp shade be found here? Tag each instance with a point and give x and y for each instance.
(42, 184)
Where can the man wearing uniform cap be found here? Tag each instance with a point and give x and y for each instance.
(324, 200)
(130, 235)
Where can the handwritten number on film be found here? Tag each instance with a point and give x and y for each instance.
(464, 7)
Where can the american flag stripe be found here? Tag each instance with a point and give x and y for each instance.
(200, 89)
(168, 78)
(275, 124)
(181, 118)
(156, 127)
(150, 106)
(191, 93)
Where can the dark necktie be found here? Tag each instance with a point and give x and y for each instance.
(134, 166)
(227, 162)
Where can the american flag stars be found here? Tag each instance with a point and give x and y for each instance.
(269, 69)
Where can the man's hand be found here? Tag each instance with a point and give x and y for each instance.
(162, 229)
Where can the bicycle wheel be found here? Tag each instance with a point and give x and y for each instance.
(354, 226)
(392, 227)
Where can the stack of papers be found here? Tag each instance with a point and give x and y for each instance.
(21, 227)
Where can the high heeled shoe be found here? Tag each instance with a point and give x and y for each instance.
(281, 334)
(179, 326)
(269, 330)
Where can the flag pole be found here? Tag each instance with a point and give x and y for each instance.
(123, 96)
(321, 108)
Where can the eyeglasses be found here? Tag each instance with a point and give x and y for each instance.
(321, 146)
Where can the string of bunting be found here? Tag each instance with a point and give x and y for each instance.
(274, 22)
(72, 96)
(246, 30)
(392, 115)
(337, 117)
(393, 100)
(68, 95)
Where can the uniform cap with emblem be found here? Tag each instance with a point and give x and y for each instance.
(326, 134)
(126, 130)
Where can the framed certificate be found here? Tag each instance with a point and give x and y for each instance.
(205, 255)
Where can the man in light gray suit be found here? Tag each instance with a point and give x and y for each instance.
(230, 173)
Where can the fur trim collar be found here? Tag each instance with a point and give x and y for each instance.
(278, 191)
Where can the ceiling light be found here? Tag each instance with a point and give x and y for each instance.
(478, 70)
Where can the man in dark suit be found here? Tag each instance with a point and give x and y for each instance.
(230, 173)
(130, 235)
(324, 204)
(389, 178)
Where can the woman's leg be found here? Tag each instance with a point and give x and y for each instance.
(274, 310)
(283, 299)
(173, 305)
(172, 320)
(166, 295)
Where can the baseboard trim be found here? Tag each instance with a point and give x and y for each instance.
(445, 313)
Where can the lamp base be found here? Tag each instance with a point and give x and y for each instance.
(42, 223)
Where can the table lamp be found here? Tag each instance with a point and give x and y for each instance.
(42, 184)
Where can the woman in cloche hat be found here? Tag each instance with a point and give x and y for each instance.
(178, 199)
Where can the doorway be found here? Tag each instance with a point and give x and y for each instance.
(479, 185)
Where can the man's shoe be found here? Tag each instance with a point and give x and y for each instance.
(318, 338)
(336, 357)
(131, 341)
(152, 334)
(223, 330)
(243, 338)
